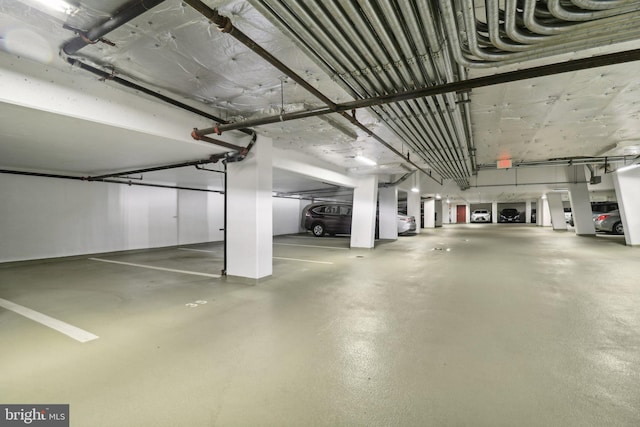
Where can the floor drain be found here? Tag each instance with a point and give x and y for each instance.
(359, 256)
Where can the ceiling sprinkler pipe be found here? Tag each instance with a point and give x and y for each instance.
(127, 13)
(126, 83)
(226, 26)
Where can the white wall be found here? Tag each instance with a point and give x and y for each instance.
(46, 218)
(286, 215)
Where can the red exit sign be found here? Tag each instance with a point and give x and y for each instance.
(504, 164)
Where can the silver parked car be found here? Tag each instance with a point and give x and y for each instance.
(481, 215)
(609, 222)
(406, 224)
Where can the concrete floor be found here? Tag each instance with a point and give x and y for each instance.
(499, 325)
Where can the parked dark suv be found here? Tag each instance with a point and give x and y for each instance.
(509, 215)
(327, 218)
(335, 218)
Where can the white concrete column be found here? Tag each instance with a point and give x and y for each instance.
(527, 211)
(467, 214)
(494, 212)
(580, 202)
(557, 211)
(429, 213)
(363, 217)
(388, 213)
(627, 184)
(439, 212)
(545, 211)
(539, 211)
(413, 201)
(249, 213)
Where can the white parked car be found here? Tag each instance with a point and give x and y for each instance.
(406, 224)
(481, 215)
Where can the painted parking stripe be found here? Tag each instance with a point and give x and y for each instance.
(310, 246)
(151, 267)
(196, 250)
(303, 260)
(58, 325)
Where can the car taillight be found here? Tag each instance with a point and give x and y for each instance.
(602, 217)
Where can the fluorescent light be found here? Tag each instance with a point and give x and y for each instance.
(627, 168)
(415, 190)
(438, 197)
(58, 6)
(366, 161)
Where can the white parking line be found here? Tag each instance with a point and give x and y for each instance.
(194, 273)
(195, 250)
(60, 326)
(310, 246)
(303, 260)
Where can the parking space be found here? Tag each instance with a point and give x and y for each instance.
(535, 315)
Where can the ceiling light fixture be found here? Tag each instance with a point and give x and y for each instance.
(58, 6)
(365, 160)
(627, 168)
(415, 189)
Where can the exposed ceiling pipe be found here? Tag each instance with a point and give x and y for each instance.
(458, 86)
(128, 12)
(226, 26)
(213, 159)
(313, 38)
(362, 127)
(530, 36)
(558, 10)
(126, 83)
(109, 181)
(425, 128)
(436, 113)
(569, 161)
(402, 179)
(599, 4)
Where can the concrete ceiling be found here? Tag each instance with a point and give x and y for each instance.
(174, 50)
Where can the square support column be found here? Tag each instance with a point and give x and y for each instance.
(543, 215)
(627, 184)
(557, 211)
(439, 213)
(250, 213)
(363, 217)
(429, 213)
(388, 216)
(494, 212)
(580, 202)
(413, 202)
(527, 211)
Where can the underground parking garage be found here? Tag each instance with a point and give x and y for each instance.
(155, 268)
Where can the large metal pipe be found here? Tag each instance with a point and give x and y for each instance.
(226, 26)
(130, 11)
(320, 36)
(109, 181)
(363, 128)
(126, 83)
(459, 86)
(212, 159)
